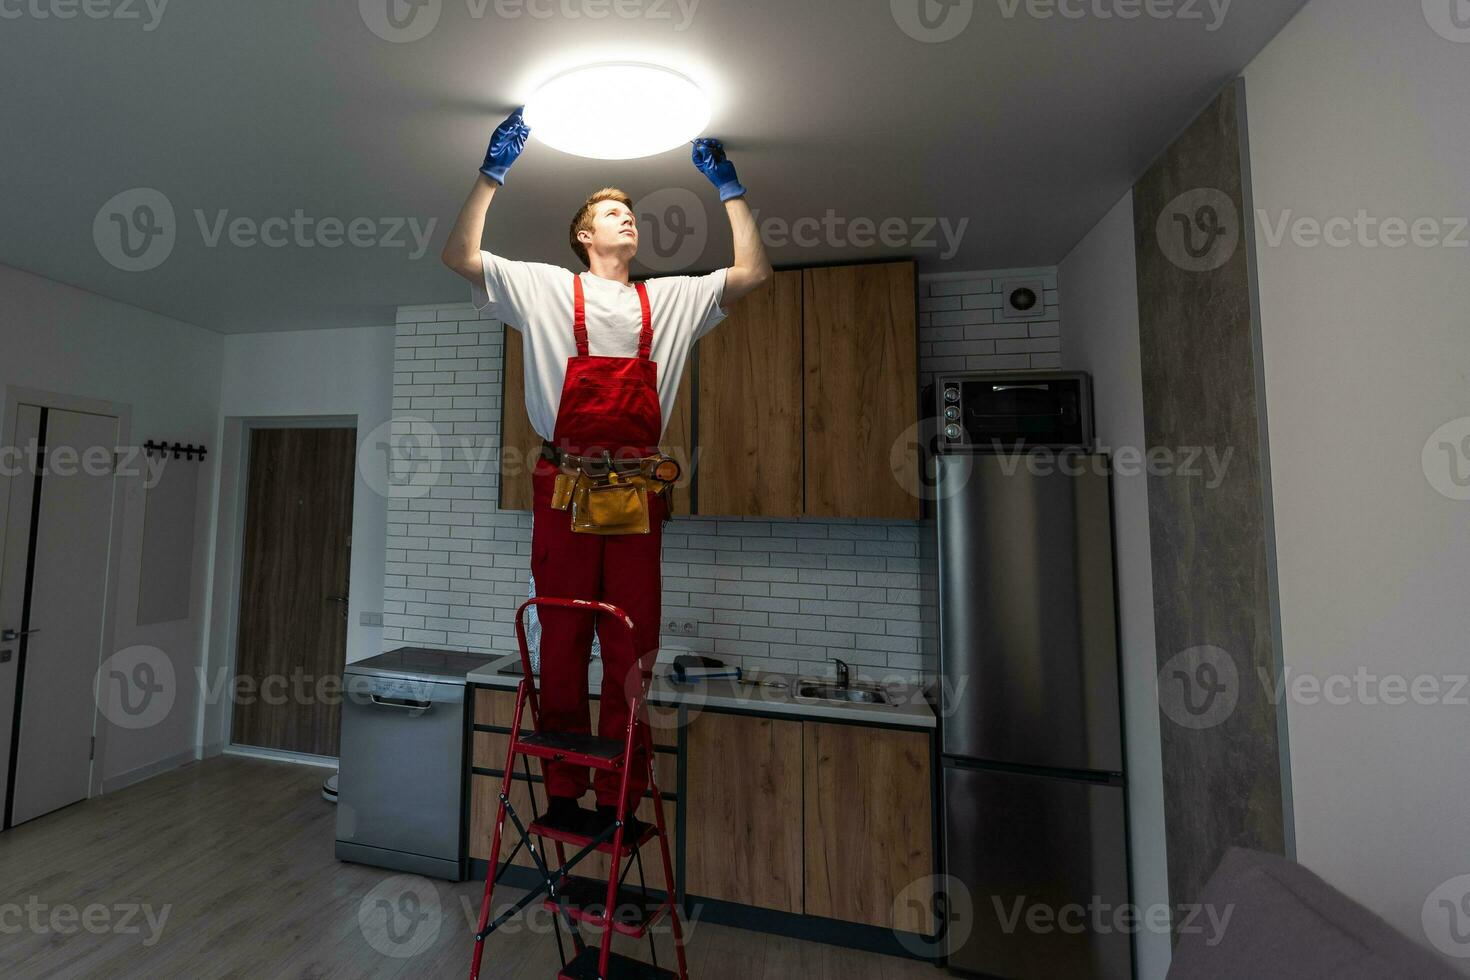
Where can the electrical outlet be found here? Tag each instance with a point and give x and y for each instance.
(681, 627)
(371, 619)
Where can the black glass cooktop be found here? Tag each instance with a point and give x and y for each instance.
(421, 662)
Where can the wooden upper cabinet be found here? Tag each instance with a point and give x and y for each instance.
(678, 439)
(524, 445)
(750, 412)
(519, 443)
(860, 389)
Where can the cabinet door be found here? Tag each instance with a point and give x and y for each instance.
(750, 417)
(519, 443)
(524, 445)
(743, 804)
(860, 391)
(679, 438)
(869, 828)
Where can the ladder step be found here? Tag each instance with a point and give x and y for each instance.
(633, 911)
(584, 967)
(574, 747)
(580, 829)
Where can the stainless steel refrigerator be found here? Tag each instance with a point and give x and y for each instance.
(1034, 818)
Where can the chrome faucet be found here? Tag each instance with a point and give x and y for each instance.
(843, 673)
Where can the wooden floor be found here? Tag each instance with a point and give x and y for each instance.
(224, 868)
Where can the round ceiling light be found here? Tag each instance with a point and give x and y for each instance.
(654, 109)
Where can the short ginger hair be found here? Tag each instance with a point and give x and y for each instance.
(582, 220)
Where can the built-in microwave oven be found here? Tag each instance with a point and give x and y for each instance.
(1005, 411)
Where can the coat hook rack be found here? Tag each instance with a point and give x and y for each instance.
(177, 449)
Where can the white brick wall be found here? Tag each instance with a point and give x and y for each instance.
(783, 594)
(959, 329)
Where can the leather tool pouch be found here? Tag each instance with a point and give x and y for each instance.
(611, 505)
(561, 492)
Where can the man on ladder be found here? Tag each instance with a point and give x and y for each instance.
(603, 362)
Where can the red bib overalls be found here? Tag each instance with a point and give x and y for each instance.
(611, 404)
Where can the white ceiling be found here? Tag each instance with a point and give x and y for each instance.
(1029, 128)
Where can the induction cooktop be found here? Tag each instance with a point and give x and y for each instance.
(421, 663)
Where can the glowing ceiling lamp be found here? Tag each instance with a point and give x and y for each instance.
(617, 111)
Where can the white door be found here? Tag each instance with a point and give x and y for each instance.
(57, 620)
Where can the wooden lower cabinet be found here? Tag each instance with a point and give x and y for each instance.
(869, 824)
(488, 752)
(803, 817)
(742, 791)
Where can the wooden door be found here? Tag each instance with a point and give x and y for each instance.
(860, 390)
(750, 414)
(520, 445)
(869, 824)
(743, 827)
(294, 587)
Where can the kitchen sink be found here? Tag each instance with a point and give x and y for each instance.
(828, 691)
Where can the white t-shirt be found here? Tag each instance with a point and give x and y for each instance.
(536, 299)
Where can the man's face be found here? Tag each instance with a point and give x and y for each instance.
(614, 230)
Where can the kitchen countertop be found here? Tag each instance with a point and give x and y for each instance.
(758, 691)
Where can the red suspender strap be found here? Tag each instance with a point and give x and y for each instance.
(645, 336)
(579, 315)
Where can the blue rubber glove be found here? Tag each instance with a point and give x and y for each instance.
(506, 144)
(709, 157)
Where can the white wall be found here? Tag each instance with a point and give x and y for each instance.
(60, 339)
(1360, 104)
(310, 374)
(1099, 279)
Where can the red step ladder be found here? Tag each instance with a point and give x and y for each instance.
(612, 906)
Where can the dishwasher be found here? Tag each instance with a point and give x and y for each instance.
(401, 784)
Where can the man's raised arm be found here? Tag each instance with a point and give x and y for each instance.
(751, 267)
(462, 250)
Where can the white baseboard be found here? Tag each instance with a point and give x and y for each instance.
(276, 755)
(111, 784)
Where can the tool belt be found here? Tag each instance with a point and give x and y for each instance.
(606, 495)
